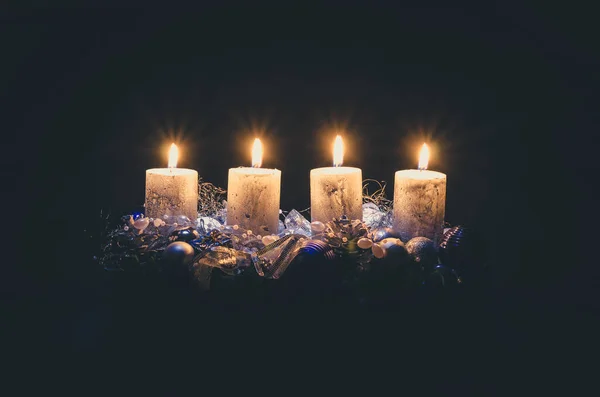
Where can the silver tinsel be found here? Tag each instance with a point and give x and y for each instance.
(272, 260)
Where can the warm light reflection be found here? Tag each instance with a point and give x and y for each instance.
(257, 153)
(173, 156)
(338, 151)
(424, 157)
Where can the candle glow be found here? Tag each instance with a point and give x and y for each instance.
(173, 156)
(257, 153)
(253, 195)
(336, 191)
(338, 151)
(171, 191)
(424, 157)
(420, 201)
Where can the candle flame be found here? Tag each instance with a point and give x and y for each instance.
(424, 157)
(257, 153)
(338, 151)
(173, 156)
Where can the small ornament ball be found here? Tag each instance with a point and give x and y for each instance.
(317, 248)
(184, 234)
(178, 253)
(423, 251)
(458, 248)
(317, 227)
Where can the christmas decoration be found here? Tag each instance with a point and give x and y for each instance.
(423, 251)
(365, 256)
(178, 253)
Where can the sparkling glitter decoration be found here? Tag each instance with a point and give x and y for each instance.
(205, 224)
(272, 260)
(228, 260)
(423, 251)
(206, 247)
(295, 223)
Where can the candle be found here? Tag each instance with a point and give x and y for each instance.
(253, 195)
(337, 190)
(172, 191)
(420, 201)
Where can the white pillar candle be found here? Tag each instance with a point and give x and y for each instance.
(253, 195)
(171, 191)
(420, 201)
(336, 191)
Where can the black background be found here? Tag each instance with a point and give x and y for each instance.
(504, 94)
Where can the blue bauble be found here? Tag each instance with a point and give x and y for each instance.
(317, 248)
(178, 253)
(460, 249)
(137, 215)
(184, 234)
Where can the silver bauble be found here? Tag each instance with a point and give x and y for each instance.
(179, 220)
(178, 253)
(317, 227)
(423, 251)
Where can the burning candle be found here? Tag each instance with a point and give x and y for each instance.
(420, 201)
(253, 195)
(171, 191)
(337, 190)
